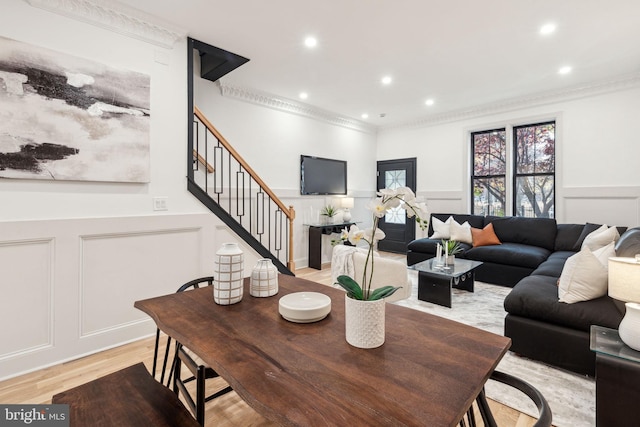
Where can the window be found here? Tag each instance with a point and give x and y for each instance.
(394, 179)
(532, 176)
(534, 170)
(489, 172)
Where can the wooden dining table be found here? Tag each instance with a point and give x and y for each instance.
(427, 373)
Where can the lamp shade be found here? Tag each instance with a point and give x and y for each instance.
(347, 202)
(624, 279)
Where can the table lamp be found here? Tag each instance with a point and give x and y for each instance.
(624, 285)
(346, 203)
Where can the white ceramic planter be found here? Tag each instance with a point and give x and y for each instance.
(264, 279)
(228, 272)
(364, 322)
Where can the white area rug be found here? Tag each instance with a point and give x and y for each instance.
(571, 396)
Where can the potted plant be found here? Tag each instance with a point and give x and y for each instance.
(364, 307)
(329, 212)
(451, 247)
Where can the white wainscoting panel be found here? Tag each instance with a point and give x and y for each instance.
(118, 269)
(67, 286)
(602, 205)
(27, 287)
(444, 201)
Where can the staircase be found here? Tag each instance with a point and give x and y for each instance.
(223, 181)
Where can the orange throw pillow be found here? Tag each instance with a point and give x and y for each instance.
(484, 237)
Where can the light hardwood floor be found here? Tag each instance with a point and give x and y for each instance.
(227, 411)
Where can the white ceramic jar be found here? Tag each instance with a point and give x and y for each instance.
(264, 279)
(228, 274)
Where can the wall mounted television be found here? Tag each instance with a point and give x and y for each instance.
(322, 176)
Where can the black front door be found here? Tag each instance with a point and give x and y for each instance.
(399, 229)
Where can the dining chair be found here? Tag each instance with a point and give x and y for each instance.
(544, 411)
(200, 371)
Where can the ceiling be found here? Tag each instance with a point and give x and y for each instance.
(460, 54)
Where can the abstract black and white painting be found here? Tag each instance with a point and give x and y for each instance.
(68, 118)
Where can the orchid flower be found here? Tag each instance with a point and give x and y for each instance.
(387, 199)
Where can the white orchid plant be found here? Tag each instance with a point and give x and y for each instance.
(401, 197)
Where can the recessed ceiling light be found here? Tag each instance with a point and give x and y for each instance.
(310, 41)
(386, 80)
(365, 116)
(564, 70)
(303, 95)
(547, 28)
(429, 102)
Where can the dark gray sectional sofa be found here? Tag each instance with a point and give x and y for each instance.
(530, 259)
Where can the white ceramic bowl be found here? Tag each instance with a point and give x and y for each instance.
(304, 307)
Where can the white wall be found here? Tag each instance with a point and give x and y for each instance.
(75, 256)
(598, 166)
(272, 141)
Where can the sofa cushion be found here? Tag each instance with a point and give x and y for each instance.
(461, 232)
(600, 238)
(476, 221)
(585, 275)
(586, 230)
(536, 297)
(428, 246)
(553, 266)
(441, 229)
(485, 237)
(539, 232)
(515, 254)
(567, 236)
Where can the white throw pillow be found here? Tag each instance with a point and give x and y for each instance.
(585, 275)
(461, 232)
(601, 238)
(441, 230)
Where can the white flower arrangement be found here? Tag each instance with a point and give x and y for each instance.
(387, 199)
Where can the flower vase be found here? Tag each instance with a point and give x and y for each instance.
(364, 322)
(450, 260)
(228, 281)
(264, 279)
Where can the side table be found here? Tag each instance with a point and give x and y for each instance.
(617, 379)
(315, 240)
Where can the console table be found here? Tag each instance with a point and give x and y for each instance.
(617, 379)
(315, 240)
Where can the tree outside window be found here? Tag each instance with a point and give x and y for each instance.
(534, 194)
(532, 178)
(489, 172)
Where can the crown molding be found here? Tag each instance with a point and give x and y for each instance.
(594, 88)
(116, 17)
(503, 106)
(290, 106)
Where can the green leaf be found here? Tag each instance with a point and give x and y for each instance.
(383, 292)
(351, 286)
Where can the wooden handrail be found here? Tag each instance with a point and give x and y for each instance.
(288, 211)
(202, 161)
(243, 163)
